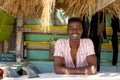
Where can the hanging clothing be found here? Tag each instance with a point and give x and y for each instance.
(96, 29)
(85, 25)
(115, 27)
(95, 38)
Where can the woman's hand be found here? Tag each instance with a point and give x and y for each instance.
(91, 70)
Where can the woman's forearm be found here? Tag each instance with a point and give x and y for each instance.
(83, 70)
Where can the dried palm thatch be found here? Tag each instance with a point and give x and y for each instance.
(46, 15)
(23, 8)
(30, 9)
(77, 8)
(113, 9)
(44, 8)
(99, 5)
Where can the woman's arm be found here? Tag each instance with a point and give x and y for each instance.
(60, 68)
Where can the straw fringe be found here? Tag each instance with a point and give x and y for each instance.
(23, 8)
(47, 14)
(78, 8)
(113, 9)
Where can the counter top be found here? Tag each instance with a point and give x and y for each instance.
(53, 76)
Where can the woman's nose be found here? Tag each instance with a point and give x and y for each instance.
(75, 31)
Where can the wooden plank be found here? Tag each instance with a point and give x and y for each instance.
(108, 49)
(1, 46)
(110, 33)
(6, 48)
(19, 38)
(37, 60)
(37, 29)
(29, 48)
(12, 39)
(52, 32)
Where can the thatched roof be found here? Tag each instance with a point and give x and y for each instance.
(30, 9)
(75, 7)
(44, 9)
(24, 8)
(113, 8)
(79, 8)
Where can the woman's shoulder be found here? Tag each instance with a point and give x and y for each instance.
(62, 40)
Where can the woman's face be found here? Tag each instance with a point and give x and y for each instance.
(74, 30)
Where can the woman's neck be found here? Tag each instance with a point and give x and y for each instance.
(74, 44)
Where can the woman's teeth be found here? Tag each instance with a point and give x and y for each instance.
(74, 35)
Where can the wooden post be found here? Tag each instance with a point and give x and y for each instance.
(12, 39)
(6, 48)
(1, 46)
(19, 38)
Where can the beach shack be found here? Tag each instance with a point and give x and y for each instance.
(30, 28)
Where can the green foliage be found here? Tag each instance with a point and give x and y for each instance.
(6, 25)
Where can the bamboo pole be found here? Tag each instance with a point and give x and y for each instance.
(19, 38)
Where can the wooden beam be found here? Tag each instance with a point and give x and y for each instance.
(19, 38)
(1, 46)
(6, 48)
(12, 39)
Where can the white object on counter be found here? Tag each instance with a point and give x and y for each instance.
(53, 76)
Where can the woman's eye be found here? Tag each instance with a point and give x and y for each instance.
(70, 29)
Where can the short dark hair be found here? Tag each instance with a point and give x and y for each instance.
(74, 19)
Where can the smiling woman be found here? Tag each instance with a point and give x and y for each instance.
(74, 55)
